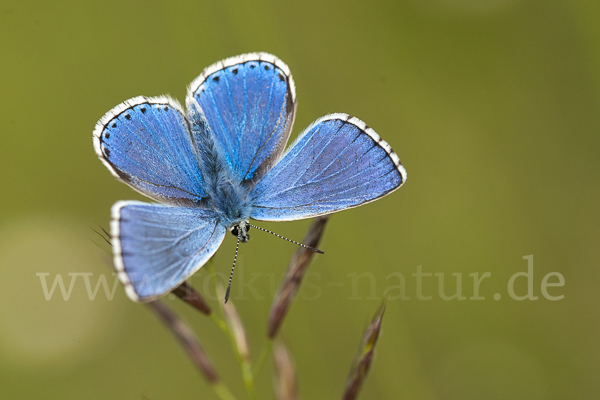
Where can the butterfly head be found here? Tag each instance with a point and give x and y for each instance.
(240, 229)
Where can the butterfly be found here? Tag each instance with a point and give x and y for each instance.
(222, 162)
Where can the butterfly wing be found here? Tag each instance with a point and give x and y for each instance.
(146, 143)
(249, 102)
(158, 247)
(337, 163)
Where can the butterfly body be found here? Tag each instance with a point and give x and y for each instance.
(226, 195)
(221, 163)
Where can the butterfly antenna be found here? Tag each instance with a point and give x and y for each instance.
(289, 240)
(237, 246)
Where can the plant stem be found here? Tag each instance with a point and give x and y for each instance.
(223, 392)
(189, 342)
(248, 380)
(266, 350)
(244, 363)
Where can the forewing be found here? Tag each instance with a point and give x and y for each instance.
(249, 102)
(337, 163)
(146, 143)
(158, 247)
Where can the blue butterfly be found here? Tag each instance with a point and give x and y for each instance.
(222, 163)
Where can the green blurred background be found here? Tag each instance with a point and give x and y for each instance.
(492, 106)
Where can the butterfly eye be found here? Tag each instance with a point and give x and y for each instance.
(235, 230)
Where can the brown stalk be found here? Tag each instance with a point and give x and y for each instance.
(237, 330)
(187, 339)
(364, 357)
(286, 387)
(189, 295)
(293, 277)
